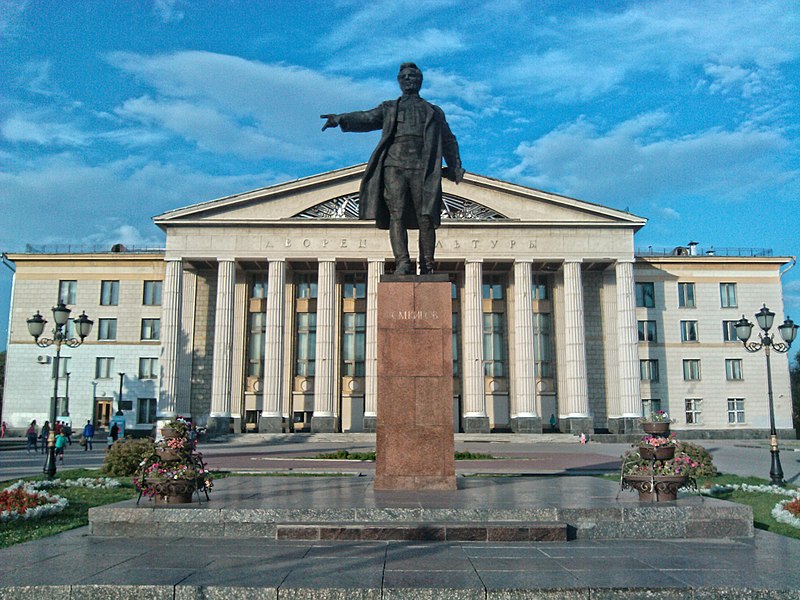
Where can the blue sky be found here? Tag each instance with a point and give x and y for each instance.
(687, 113)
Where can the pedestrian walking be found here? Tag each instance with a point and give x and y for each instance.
(88, 435)
(31, 435)
(3, 428)
(67, 429)
(45, 435)
(61, 443)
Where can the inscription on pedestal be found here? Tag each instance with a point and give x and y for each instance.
(414, 436)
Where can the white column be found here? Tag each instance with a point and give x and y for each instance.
(325, 362)
(524, 380)
(375, 269)
(610, 354)
(627, 341)
(223, 340)
(240, 326)
(184, 382)
(472, 381)
(577, 398)
(170, 339)
(274, 340)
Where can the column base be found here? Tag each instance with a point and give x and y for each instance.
(475, 424)
(370, 424)
(270, 424)
(323, 424)
(624, 425)
(218, 426)
(577, 425)
(526, 424)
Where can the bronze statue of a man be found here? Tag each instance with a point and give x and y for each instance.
(402, 186)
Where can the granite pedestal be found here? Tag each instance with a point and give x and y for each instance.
(414, 437)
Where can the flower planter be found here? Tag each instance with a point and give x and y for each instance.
(172, 491)
(168, 433)
(656, 427)
(168, 454)
(658, 488)
(659, 453)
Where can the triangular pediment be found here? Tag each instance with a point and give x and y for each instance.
(333, 196)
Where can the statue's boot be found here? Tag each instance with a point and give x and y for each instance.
(398, 238)
(427, 244)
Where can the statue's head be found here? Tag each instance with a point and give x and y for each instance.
(409, 77)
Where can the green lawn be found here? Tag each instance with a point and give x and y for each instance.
(75, 515)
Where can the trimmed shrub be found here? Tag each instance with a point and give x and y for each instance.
(701, 456)
(124, 457)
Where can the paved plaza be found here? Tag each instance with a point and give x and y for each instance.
(187, 564)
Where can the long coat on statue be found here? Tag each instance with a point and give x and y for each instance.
(438, 141)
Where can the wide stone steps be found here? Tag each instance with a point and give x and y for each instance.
(428, 532)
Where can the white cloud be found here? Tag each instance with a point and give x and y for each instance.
(11, 17)
(168, 11)
(229, 104)
(580, 58)
(26, 129)
(633, 162)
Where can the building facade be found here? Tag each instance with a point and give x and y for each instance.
(260, 316)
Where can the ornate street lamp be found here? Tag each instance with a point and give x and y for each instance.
(119, 412)
(788, 332)
(83, 326)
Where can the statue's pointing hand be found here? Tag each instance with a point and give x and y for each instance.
(330, 121)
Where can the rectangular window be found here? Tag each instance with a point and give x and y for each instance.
(104, 367)
(146, 411)
(646, 295)
(689, 331)
(693, 410)
(733, 369)
(306, 344)
(306, 285)
(729, 331)
(63, 366)
(151, 329)
(354, 285)
(735, 410)
(493, 338)
(543, 350)
(691, 369)
(151, 295)
(492, 287)
(647, 331)
(67, 291)
(727, 295)
(354, 344)
(148, 368)
(648, 370)
(106, 329)
(649, 407)
(540, 289)
(686, 295)
(258, 289)
(109, 293)
(255, 350)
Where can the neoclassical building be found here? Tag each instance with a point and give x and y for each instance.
(267, 305)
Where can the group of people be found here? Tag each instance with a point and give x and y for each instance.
(63, 436)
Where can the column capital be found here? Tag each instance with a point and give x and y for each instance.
(473, 260)
(226, 260)
(276, 259)
(521, 261)
(568, 261)
(326, 259)
(624, 261)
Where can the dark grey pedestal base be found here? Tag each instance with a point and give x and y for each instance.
(577, 425)
(625, 425)
(217, 426)
(370, 424)
(475, 424)
(323, 424)
(270, 424)
(526, 424)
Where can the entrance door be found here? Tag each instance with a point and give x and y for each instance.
(102, 413)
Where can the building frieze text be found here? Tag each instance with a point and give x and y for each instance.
(364, 243)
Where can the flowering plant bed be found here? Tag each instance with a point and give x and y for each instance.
(659, 416)
(634, 464)
(23, 501)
